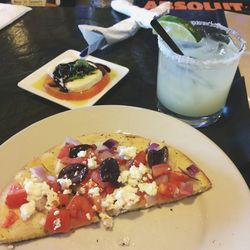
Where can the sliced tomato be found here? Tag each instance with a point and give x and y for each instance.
(9, 219)
(16, 196)
(76, 96)
(178, 177)
(167, 190)
(57, 220)
(140, 158)
(63, 199)
(64, 152)
(96, 177)
(81, 211)
(161, 169)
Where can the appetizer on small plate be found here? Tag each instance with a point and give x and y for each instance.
(72, 81)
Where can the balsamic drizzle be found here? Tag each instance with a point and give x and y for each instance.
(66, 72)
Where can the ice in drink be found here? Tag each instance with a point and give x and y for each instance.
(196, 85)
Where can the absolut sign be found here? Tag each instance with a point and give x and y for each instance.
(203, 5)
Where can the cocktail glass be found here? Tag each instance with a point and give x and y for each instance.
(195, 87)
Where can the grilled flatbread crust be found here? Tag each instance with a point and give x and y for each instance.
(33, 227)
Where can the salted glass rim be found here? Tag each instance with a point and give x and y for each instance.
(190, 60)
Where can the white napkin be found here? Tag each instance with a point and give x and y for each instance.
(140, 17)
(9, 13)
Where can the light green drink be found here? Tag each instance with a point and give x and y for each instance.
(195, 87)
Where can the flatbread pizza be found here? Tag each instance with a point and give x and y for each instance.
(94, 178)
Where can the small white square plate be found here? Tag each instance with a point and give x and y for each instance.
(33, 83)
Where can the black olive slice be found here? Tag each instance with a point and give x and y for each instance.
(157, 156)
(76, 149)
(110, 171)
(75, 172)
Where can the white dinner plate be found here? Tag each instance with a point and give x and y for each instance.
(216, 219)
(33, 83)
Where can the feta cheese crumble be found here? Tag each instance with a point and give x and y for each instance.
(88, 216)
(56, 212)
(124, 242)
(57, 223)
(27, 209)
(67, 191)
(81, 153)
(122, 199)
(37, 190)
(126, 197)
(106, 220)
(95, 191)
(135, 180)
(134, 175)
(92, 164)
(65, 183)
(127, 152)
(149, 188)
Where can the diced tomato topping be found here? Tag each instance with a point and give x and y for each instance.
(67, 160)
(63, 199)
(96, 201)
(109, 189)
(96, 177)
(167, 190)
(54, 185)
(58, 220)
(64, 152)
(162, 179)
(161, 169)
(140, 158)
(142, 201)
(81, 211)
(178, 177)
(121, 161)
(16, 196)
(186, 188)
(9, 219)
(87, 178)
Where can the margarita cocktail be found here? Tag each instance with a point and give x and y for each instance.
(194, 87)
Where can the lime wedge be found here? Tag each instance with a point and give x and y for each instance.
(179, 29)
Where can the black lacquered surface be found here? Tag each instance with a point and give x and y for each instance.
(44, 33)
